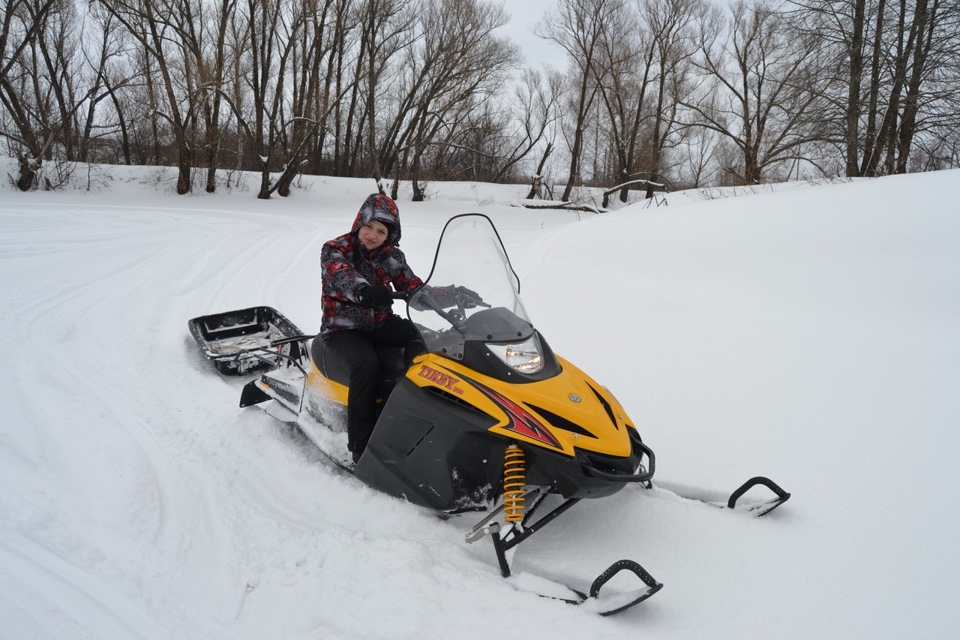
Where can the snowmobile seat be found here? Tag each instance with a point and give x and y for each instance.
(332, 366)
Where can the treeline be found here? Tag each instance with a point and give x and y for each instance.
(648, 92)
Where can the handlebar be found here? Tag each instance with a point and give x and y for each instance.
(452, 296)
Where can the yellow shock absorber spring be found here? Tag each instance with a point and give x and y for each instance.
(514, 479)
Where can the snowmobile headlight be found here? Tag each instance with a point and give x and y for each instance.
(525, 357)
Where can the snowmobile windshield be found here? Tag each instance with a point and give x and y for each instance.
(472, 292)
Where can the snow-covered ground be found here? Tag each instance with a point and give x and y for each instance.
(810, 333)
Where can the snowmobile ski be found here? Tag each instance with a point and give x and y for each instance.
(755, 508)
(594, 602)
(758, 509)
(507, 538)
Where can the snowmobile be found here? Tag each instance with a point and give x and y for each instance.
(488, 419)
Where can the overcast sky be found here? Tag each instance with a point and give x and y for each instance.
(520, 29)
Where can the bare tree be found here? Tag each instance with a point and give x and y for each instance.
(917, 34)
(897, 63)
(698, 166)
(24, 22)
(671, 24)
(937, 129)
(337, 98)
(387, 29)
(113, 75)
(764, 88)
(622, 71)
(642, 72)
(536, 112)
(57, 76)
(103, 50)
(578, 26)
(841, 28)
(201, 33)
(264, 39)
(155, 24)
(457, 59)
(310, 99)
(413, 89)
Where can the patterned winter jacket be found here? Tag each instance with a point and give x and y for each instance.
(348, 268)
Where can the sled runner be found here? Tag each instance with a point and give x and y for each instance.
(488, 419)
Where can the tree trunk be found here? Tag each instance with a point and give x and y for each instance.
(925, 25)
(884, 146)
(184, 168)
(28, 172)
(874, 93)
(852, 133)
(538, 178)
(290, 172)
(575, 153)
(264, 193)
(371, 92)
(751, 166)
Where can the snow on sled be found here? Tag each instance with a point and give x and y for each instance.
(488, 419)
(241, 341)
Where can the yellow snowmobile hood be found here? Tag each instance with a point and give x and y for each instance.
(566, 412)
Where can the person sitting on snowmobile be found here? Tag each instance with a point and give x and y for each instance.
(358, 320)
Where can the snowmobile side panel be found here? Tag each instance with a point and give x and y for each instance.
(332, 375)
(418, 448)
(327, 389)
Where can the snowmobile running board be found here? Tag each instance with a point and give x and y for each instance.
(518, 532)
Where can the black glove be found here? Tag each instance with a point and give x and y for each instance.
(469, 298)
(421, 297)
(376, 296)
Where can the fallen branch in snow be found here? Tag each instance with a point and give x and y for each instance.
(557, 204)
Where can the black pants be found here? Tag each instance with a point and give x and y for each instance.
(362, 353)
